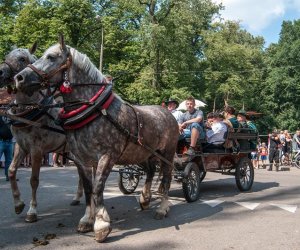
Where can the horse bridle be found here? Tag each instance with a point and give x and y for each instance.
(46, 77)
(10, 88)
(10, 68)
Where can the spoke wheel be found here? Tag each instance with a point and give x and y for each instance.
(244, 174)
(202, 175)
(297, 161)
(129, 178)
(191, 182)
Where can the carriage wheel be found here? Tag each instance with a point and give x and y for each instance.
(244, 174)
(202, 175)
(129, 178)
(191, 182)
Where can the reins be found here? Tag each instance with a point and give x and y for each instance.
(65, 87)
(133, 138)
(32, 123)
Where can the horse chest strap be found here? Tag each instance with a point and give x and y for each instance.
(139, 127)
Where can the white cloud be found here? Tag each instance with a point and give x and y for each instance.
(256, 15)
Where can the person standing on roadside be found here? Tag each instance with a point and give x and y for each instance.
(296, 141)
(274, 145)
(263, 152)
(6, 144)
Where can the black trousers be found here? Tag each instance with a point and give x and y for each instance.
(274, 155)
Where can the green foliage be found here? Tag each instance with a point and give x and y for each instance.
(281, 91)
(232, 69)
(169, 48)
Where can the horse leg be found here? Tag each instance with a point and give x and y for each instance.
(164, 187)
(36, 162)
(146, 192)
(79, 193)
(19, 156)
(86, 222)
(102, 221)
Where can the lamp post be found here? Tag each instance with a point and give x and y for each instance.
(101, 51)
(101, 45)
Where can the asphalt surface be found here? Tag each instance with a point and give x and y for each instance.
(267, 217)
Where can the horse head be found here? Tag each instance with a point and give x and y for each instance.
(59, 65)
(14, 62)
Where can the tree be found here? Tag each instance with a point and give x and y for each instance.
(281, 89)
(233, 66)
(8, 11)
(42, 21)
(165, 45)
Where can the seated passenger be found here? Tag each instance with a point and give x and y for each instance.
(229, 113)
(172, 106)
(215, 135)
(249, 125)
(191, 125)
(241, 117)
(245, 121)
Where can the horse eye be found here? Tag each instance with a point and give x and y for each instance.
(50, 57)
(22, 59)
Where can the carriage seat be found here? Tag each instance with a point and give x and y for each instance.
(243, 138)
(220, 148)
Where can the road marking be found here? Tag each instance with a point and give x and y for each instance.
(49, 186)
(155, 201)
(176, 200)
(289, 208)
(249, 205)
(111, 194)
(212, 203)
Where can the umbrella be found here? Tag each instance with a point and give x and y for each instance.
(198, 105)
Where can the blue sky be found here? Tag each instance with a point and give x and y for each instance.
(261, 17)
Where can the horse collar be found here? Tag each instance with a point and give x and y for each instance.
(86, 113)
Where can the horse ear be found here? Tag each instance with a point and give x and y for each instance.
(33, 48)
(61, 41)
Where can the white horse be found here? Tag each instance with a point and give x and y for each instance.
(106, 133)
(31, 140)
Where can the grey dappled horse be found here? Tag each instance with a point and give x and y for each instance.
(107, 140)
(30, 139)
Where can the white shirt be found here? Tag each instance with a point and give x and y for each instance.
(177, 114)
(216, 134)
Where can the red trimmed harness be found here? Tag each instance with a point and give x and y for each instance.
(90, 118)
(66, 115)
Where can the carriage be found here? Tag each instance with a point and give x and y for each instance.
(191, 171)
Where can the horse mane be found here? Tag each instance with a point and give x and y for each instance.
(83, 62)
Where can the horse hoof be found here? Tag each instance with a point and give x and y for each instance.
(144, 205)
(75, 203)
(102, 235)
(160, 214)
(84, 228)
(31, 218)
(19, 209)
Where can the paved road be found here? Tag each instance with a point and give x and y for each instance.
(265, 218)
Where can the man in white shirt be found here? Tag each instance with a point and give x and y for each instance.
(216, 131)
(172, 106)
